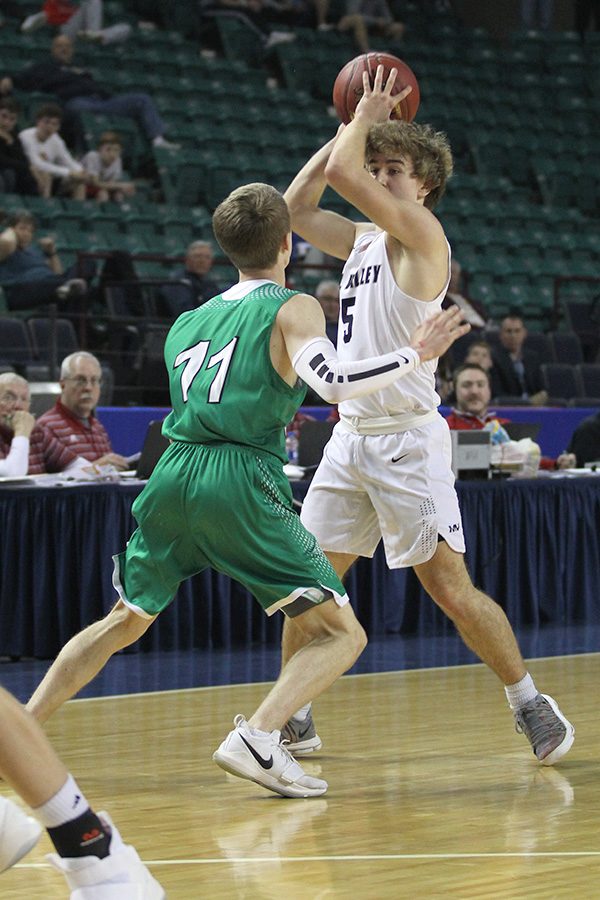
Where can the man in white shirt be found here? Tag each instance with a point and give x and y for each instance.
(49, 156)
(16, 424)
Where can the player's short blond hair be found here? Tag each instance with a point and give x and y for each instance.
(250, 225)
(428, 150)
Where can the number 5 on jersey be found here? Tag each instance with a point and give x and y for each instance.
(348, 317)
(194, 358)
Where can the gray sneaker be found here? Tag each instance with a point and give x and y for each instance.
(301, 737)
(545, 727)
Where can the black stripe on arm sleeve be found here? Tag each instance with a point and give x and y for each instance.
(359, 376)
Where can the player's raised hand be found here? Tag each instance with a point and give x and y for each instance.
(377, 103)
(433, 337)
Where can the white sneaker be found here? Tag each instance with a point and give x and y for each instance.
(264, 760)
(71, 289)
(119, 876)
(33, 22)
(279, 37)
(162, 142)
(19, 833)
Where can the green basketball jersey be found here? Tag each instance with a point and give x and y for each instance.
(223, 386)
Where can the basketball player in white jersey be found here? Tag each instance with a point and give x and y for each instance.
(386, 472)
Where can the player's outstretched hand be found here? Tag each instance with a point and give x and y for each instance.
(377, 102)
(433, 337)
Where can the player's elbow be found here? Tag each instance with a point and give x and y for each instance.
(330, 393)
(336, 174)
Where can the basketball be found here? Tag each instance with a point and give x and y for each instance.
(348, 87)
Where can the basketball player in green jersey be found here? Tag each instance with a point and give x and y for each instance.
(219, 496)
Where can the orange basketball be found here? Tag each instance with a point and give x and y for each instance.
(348, 87)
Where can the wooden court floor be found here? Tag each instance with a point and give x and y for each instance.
(431, 793)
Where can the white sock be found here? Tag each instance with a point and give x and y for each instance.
(303, 713)
(68, 804)
(521, 693)
(256, 732)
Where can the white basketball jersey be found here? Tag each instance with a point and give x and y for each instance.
(376, 317)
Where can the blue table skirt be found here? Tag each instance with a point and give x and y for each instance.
(533, 545)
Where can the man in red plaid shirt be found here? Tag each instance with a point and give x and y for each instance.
(69, 436)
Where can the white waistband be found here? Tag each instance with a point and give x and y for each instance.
(386, 424)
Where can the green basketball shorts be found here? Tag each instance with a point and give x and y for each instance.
(228, 507)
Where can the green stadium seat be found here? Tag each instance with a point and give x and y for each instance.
(239, 42)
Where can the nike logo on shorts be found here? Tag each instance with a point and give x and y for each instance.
(398, 458)
(265, 763)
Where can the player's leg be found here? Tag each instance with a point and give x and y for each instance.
(332, 641)
(484, 627)
(146, 577)
(293, 637)
(299, 731)
(418, 496)
(281, 563)
(338, 511)
(481, 623)
(90, 851)
(84, 656)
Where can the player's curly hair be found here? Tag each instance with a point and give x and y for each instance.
(428, 149)
(250, 225)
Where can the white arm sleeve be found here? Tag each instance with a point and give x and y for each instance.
(17, 461)
(318, 365)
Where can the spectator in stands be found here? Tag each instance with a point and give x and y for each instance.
(473, 311)
(367, 18)
(32, 274)
(537, 14)
(16, 424)
(56, 170)
(77, 21)
(517, 371)
(327, 293)
(105, 169)
(16, 172)
(585, 441)
(258, 15)
(69, 436)
(195, 284)
(471, 411)
(79, 92)
(480, 353)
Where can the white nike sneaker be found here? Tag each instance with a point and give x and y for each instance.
(264, 760)
(119, 876)
(19, 833)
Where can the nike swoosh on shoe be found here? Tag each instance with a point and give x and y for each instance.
(265, 763)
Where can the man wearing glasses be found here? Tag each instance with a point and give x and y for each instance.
(69, 437)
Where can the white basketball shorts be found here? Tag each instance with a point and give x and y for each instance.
(399, 487)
